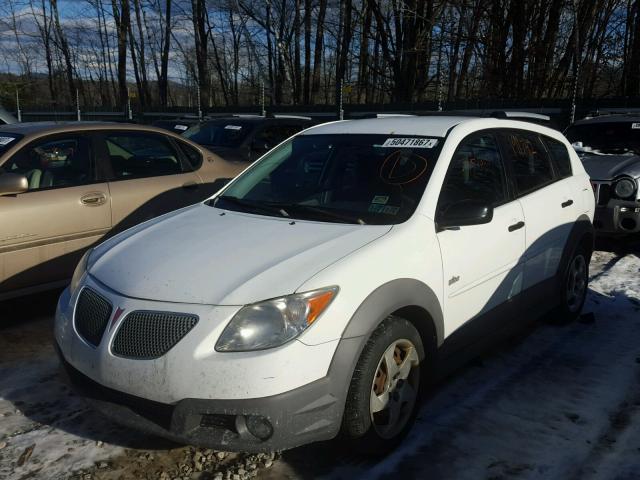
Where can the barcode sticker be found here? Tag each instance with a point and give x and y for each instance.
(412, 142)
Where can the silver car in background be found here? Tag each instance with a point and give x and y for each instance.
(609, 147)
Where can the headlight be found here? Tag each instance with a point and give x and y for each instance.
(274, 322)
(79, 271)
(625, 188)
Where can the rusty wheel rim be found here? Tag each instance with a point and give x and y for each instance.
(394, 388)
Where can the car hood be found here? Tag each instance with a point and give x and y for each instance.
(210, 256)
(607, 167)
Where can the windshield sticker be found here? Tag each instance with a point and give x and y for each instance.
(386, 209)
(233, 127)
(402, 167)
(414, 142)
(389, 210)
(181, 127)
(635, 125)
(6, 141)
(383, 199)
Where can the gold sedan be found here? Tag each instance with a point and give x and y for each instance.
(64, 187)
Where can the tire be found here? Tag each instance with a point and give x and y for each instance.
(574, 286)
(381, 408)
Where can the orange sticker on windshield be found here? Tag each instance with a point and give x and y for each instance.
(402, 167)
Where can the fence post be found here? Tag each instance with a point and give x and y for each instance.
(199, 105)
(264, 111)
(18, 111)
(129, 112)
(78, 105)
(340, 110)
(576, 61)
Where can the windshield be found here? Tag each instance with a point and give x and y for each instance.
(8, 140)
(366, 179)
(227, 133)
(609, 137)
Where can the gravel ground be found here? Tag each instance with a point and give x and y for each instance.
(555, 402)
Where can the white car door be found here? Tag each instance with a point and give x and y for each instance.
(481, 263)
(548, 207)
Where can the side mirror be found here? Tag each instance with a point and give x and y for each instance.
(463, 213)
(13, 183)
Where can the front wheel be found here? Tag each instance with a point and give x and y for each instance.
(384, 391)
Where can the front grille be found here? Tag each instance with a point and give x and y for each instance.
(146, 335)
(92, 316)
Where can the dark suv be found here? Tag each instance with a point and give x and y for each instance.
(245, 138)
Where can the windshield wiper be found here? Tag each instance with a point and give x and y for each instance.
(322, 212)
(252, 206)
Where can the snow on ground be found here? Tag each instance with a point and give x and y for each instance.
(559, 402)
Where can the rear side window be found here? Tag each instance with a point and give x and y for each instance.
(531, 166)
(191, 154)
(136, 155)
(559, 156)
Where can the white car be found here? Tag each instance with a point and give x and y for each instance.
(316, 294)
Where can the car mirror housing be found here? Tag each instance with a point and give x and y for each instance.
(13, 183)
(464, 213)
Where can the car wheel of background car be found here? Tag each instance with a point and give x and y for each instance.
(384, 391)
(574, 287)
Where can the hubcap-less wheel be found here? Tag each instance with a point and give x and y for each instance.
(576, 283)
(394, 388)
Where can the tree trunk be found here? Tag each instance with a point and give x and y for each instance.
(317, 55)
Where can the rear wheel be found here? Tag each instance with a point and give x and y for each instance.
(384, 391)
(574, 287)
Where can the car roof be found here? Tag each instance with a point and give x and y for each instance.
(38, 128)
(621, 117)
(435, 126)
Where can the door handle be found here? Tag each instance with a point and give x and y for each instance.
(566, 204)
(189, 185)
(516, 226)
(93, 199)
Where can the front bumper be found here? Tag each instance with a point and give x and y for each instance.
(196, 395)
(307, 414)
(617, 218)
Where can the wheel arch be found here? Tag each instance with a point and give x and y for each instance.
(582, 235)
(405, 297)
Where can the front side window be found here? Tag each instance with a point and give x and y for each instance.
(53, 163)
(476, 173)
(531, 165)
(372, 179)
(136, 155)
